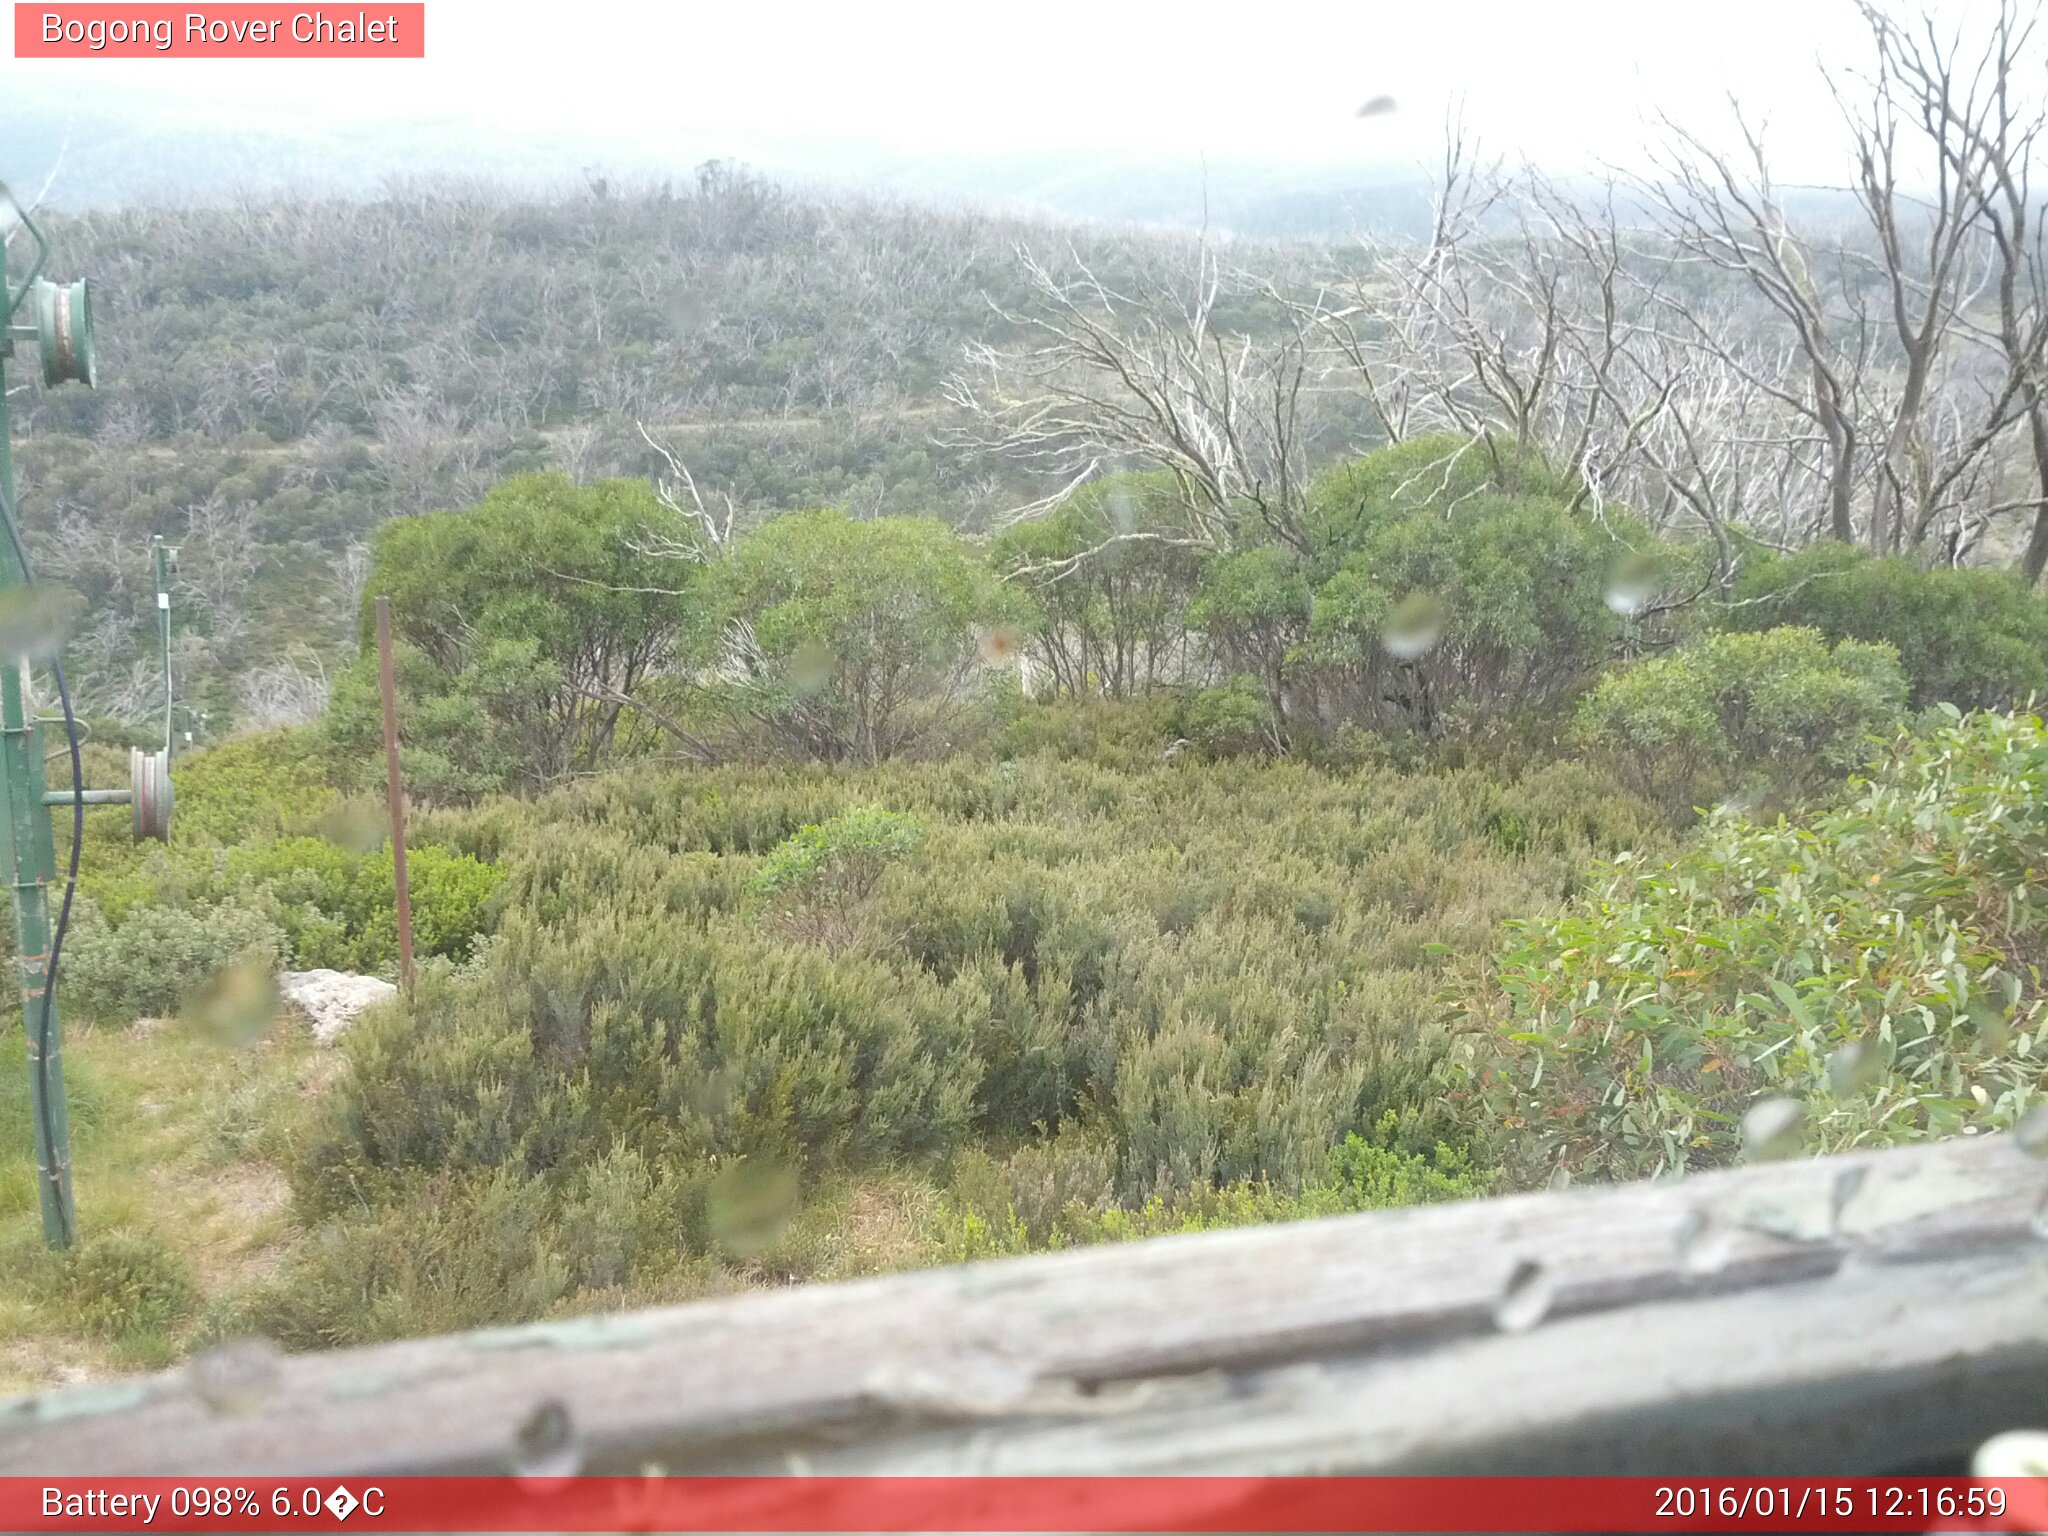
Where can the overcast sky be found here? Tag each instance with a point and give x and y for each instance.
(821, 88)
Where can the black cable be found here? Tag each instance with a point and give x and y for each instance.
(63, 912)
(49, 1124)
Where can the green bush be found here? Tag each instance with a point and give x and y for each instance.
(815, 885)
(1057, 1194)
(1231, 721)
(528, 622)
(855, 639)
(1769, 716)
(1110, 575)
(1351, 501)
(1254, 607)
(1878, 964)
(117, 1285)
(1114, 733)
(332, 905)
(1498, 605)
(261, 785)
(160, 957)
(246, 790)
(336, 906)
(840, 859)
(1976, 638)
(626, 1027)
(1138, 991)
(454, 1257)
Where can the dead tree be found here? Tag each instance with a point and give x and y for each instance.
(1153, 374)
(1976, 110)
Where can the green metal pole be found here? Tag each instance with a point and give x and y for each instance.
(28, 862)
(160, 556)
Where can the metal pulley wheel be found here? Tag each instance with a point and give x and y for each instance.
(150, 775)
(64, 331)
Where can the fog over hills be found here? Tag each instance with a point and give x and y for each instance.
(117, 150)
(1126, 114)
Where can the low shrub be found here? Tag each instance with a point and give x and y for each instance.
(448, 1258)
(1055, 1194)
(1159, 996)
(1767, 717)
(159, 957)
(117, 1285)
(337, 906)
(332, 905)
(1234, 720)
(1973, 637)
(1878, 964)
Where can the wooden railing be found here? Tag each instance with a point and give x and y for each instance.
(1879, 1313)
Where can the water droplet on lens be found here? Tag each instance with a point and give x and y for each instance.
(358, 824)
(237, 1005)
(2016, 1453)
(1703, 1244)
(34, 621)
(1853, 1067)
(547, 1445)
(1001, 645)
(1414, 627)
(1848, 1184)
(1525, 1299)
(1123, 511)
(810, 667)
(2032, 1131)
(1632, 585)
(751, 1204)
(237, 1376)
(1772, 1129)
(689, 311)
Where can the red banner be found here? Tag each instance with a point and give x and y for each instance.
(225, 31)
(1006, 1504)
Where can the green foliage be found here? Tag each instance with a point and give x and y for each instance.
(336, 906)
(447, 1265)
(535, 615)
(1119, 734)
(1494, 605)
(118, 1285)
(1231, 721)
(859, 635)
(1254, 607)
(450, 750)
(1878, 964)
(1060, 1193)
(155, 961)
(1152, 985)
(1353, 500)
(822, 875)
(321, 903)
(1110, 575)
(1972, 637)
(260, 785)
(1769, 716)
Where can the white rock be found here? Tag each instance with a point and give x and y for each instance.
(333, 999)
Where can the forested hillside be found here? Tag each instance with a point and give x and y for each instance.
(1726, 357)
(280, 379)
(929, 738)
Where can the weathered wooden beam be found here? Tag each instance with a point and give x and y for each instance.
(1856, 1315)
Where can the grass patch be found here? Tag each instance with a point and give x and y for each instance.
(177, 1144)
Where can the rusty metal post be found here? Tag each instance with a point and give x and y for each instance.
(394, 792)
